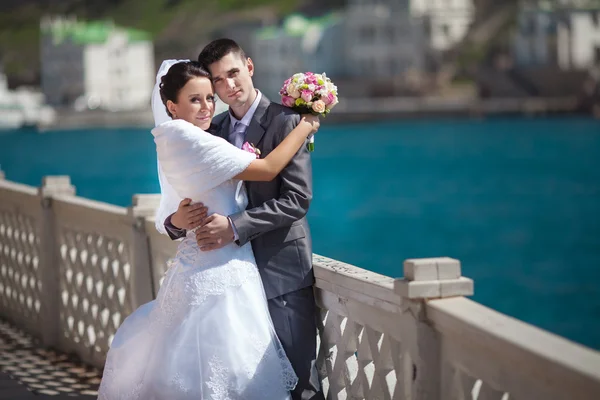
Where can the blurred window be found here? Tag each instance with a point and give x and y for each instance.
(368, 34)
(389, 33)
(445, 28)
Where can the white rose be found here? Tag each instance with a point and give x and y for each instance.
(293, 91)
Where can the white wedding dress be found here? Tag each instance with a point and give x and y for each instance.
(208, 334)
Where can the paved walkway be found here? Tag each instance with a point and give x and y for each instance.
(30, 372)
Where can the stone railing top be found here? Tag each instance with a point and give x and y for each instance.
(487, 344)
(85, 204)
(144, 205)
(352, 281)
(18, 187)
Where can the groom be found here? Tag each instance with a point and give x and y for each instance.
(274, 221)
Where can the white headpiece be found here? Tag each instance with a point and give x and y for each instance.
(169, 200)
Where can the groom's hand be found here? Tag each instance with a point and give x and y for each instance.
(215, 233)
(188, 216)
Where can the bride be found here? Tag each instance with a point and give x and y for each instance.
(208, 334)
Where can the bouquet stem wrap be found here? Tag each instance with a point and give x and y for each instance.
(311, 143)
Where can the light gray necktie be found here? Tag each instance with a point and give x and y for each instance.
(237, 137)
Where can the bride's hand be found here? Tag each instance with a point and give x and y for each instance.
(312, 120)
(188, 216)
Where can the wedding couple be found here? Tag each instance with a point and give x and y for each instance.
(235, 317)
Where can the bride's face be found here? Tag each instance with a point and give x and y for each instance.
(195, 103)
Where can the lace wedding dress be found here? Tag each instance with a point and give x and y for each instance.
(208, 334)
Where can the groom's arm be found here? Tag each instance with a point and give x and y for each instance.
(173, 231)
(295, 195)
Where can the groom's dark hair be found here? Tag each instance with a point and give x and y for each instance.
(218, 49)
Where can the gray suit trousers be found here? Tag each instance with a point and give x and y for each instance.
(294, 317)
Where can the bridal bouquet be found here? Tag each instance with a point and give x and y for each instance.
(309, 93)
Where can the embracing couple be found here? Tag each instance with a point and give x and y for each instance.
(235, 316)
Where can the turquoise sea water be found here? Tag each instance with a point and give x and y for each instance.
(516, 200)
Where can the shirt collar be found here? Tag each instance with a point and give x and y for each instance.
(249, 114)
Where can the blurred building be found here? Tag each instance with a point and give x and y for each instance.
(242, 31)
(22, 107)
(565, 38)
(300, 44)
(10, 115)
(95, 65)
(372, 48)
(382, 39)
(446, 21)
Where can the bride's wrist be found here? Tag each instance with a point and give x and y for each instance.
(306, 126)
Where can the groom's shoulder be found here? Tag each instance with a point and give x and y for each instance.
(218, 120)
(278, 111)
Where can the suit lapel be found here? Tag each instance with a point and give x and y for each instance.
(258, 125)
(220, 128)
(224, 127)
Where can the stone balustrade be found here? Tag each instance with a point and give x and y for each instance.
(71, 269)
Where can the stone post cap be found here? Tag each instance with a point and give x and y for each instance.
(430, 269)
(144, 205)
(59, 184)
(428, 278)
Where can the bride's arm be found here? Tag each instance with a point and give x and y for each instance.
(268, 168)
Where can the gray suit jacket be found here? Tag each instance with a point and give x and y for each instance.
(275, 219)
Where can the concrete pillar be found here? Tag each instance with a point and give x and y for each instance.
(424, 279)
(142, 285)
(49, 263)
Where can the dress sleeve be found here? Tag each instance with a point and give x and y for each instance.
(194, 161)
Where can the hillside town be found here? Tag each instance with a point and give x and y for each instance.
(388, 49)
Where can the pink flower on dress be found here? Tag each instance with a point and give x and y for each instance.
(250, 148)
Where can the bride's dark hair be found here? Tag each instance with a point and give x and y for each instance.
(175, 79)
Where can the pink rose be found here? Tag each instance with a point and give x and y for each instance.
(333, 102)
(307, 95)
(288, 101)
(311, 79)
(328, 99)
(318, 106)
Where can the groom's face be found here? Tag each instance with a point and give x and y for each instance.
(232, 77)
